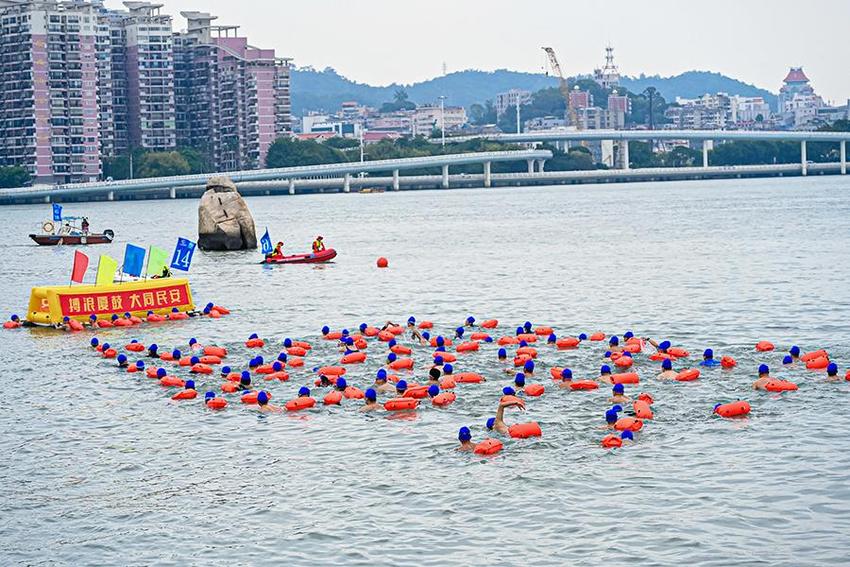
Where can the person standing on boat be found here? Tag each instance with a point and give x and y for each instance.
(318, 245)
(85, 225)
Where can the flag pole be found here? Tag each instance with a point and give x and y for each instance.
(148, 262)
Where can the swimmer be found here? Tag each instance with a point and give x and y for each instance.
(245, 379)
(434, 376)
(708, 358)
(448, 369)
(611, 417)
(346, 345)
(264, 406)
(832, 372)
(122, 361)
(401, 388)
(661, 347)
(627, 437)
(763, 379)
(387, 325)
(438, 362)
(381, 384)
(370, 398)
(465, 438)
(566, 379)
(551, 339)
(619, 396)
(470, 322)
(528, 368)
(614, 344)
(503, 355)
(341, 384)
(324, 381)
(152, 351)
(459, 333)
(788, 359)
(499, 425)
(194, 344)
(795, 353)
(667, 372)
(526, 327)
(94, 343)
(414, 332)
(433, 391)
(605, 374)
(519, 382)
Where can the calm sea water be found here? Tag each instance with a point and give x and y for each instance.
(102, 468)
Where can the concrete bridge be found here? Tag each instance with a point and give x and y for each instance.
(293, 177)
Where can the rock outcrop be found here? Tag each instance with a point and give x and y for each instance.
(224, 221)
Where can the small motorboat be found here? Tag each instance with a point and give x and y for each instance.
(313, 258)
(70, 234)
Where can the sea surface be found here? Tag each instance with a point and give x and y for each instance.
(101, 468)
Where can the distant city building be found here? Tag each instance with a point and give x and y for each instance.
(608, 77)
(749, 111)
(510, 98)
(618, 107)
(428, 117)
(544, 123)
(400, 121)
(798, 103)
(580, 99)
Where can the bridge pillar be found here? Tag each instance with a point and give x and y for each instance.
(624, 151)
(707, 146)
(110, 196)
(803, 159)
(530, 165)
(843, 157)
(488, 180)
(291, 186)
(446, 176)
(540, 164)
(346, 185)
(172, 192)
(396, 185)
(47, 198)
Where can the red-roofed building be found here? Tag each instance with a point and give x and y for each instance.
(798, 103)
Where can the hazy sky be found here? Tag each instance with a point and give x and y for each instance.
(385, 41)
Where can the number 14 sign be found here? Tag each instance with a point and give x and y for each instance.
(182, 258)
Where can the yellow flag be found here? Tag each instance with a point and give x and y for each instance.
(106, 267)
(157, 260)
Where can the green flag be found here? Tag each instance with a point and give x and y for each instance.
(157, 260)
(106, 267)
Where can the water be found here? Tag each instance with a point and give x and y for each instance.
(101, 468)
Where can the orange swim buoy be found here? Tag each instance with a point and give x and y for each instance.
(688, 375)
(817, 363)
(416, 392)
(658, 356)
(385, 336)
(401, 404)
(488, 447)
(333, 370)
(521, 360)
(217, 403)
(490, 324)
(642, 410)
(104, 324)
(543, 331)
(633, 348)
(764, 346)
(479, 336)
(201, 368)
(624, 361)
(255, 343)
(611, 442)
(525, 430)
(333, 336)
(534, 390)
(172, 382)
(110, 353)
(628, 423)
(556, 373)
(728, 362)
(154, 318)
(402, 364)
(209, 359)
(597, 336)
(426, 325)
(383, 262)
(734, 409)
(443, 399)
(583, 385)
(396, 329)
(446, 342)
(505, 341)
(301, 403)
(332, 398)
(401, 350)
(678, 352)
(185, 361)
(567, 342)
(185, 395)
(468, 346)
(644, 397)
(468, 378)
(151, 371)
(281, 375)
(296, 351)
(813, 355)
(447, 383)
(230, 387)
(447, 356)
(625, 378)
(264, 369)
(527, 337)
(353, 358)
(776, 385)
(122, 323)
(353, 393)
(135, 347)
(527, 351)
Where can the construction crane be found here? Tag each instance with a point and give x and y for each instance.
(564, 87)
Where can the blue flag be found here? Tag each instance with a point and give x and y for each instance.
(266, 243)
(57, 212)
(183, 252)
(134, 260)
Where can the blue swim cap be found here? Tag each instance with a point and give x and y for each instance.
(619, 388)
(567, 374)
(607, 354)
(488, 339)
(523, 343)
(617, 408)
(582, 337)
(160, 372)
(210, 305)
(363, 327)
(225, 370)
(153, 347)
(277, 366)
(382, 374)
(411, 320)
(371, 394)
(194, 360)
(93, 317)
(613, 341)
(245, 375)
(611, 416)
(114, 317)
(392, 343)
(552, 338)
(140, 364)
(628, 334)
(520, 330)
(795, 351)
(508, 391)
(605, 369)
(627, 435)
(441, 341)
(491, 423)
(464, 434)
(666, 364)
(287, 342)
(503, 353)
(105, 346)
(470, 320)
(433, 390)
(253, 336)
(341, 383)
(282, 357)
(190, 384)
(628, 354)
(122, 358)
(262, 398)
(326, 330)
(392, 357)
(176, 354)
(764, 369)
(708, 354)
(345, 333)
(94, 342)
(438, 360)
(208, 396)
(448, 368)
(459, 331)
(401, 386)
(253, 363)
(788, 359)
(832, 369)
(192, 341)
(66, 319)
(664, 345)
(528, 366)
(519, 380)
(426, 335)
(134, 341)
(527, 325)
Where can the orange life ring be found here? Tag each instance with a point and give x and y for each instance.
(490, 324)
(301, 403)
(505, 341)
(611, 441)
(688, 375)
(764, 346)
(534, 390)
(625, 378)
(628, 423)
(488, 447)
(734, 409)
(774, 385)
(525, 430)
(172, 382)
(642, 410)
(401, 350)
(135, 347)
(185, 395)
(401, 404)
(217, 403)
(333, 370)
(332, 398)
(567, 342)
(402, 364)
(468, 346)
(443, 399)
(583, 385)
(353, 358)
(255, 343)
(599, 336)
